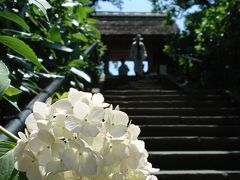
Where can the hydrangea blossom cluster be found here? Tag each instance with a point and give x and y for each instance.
(81, 137)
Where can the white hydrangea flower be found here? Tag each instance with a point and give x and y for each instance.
(115, 122)
(81, 137)
(28, 163)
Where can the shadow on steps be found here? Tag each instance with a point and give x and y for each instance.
(146, 82)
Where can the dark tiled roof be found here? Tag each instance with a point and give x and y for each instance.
(112, 23)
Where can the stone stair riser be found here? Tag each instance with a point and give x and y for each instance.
(196, 161)
(166, 97)
(182, 111)
(172, 104)
(188, 130)
(191, 143)
(190, 120)
(196, 176)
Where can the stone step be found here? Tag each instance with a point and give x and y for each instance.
(115, 83)
(191, 160)
(174, 103)
(198, 175)
(190, 135)
(190, 111)
(189, 130)
(165, 97)
(191, 120)
(160, 91)
(141, 92)
(191, 143)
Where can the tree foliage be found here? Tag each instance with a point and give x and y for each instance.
(212, 34)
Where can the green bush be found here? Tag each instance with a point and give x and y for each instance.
(41, 40)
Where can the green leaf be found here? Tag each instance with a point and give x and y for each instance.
(92, 21)
(6, 146)
(43, 5)
(8, 172)
(59, 47)
(81, 74)
(1, 1)
(4, 79)
(82, 13)
(22, 48)
(12, 100)
(58, 96)
(76, 63)
(94, 32)
(7, 165)
(15, 18)
(12, 91)
(79, 36)
(84, 1)
(55, 35)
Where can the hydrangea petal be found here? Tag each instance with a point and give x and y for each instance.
(73, 96)
(41, 108)
(152, 177)
(120, 151)
(118, 130)
(120, 117)
(31, 123)
(98, 98)
(22, 136)
(134, 161)
(55, 166)
(34, 173)
(81, 110)
(61, 132)
(98, 142)
(46, 137)
(73, 125)
(104, 105)
(133, 131)
(22, 163)
(58, 148)
(35, 144)
(88, 164)
(59, 119)
(108, 114)
(137, 145)
(96, 114)
(44, 156)
(63, 106)
(43, 125)
(91, 130)
(117, 108)
(69, 159)
(87, 95)
(48, 101)
(25, 161)
(54, 176)
(17, 151)
(118, 176)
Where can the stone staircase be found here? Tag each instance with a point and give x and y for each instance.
(189, 135)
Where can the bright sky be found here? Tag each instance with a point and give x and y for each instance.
(132, 6)
(113, 67)
(128, 6)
